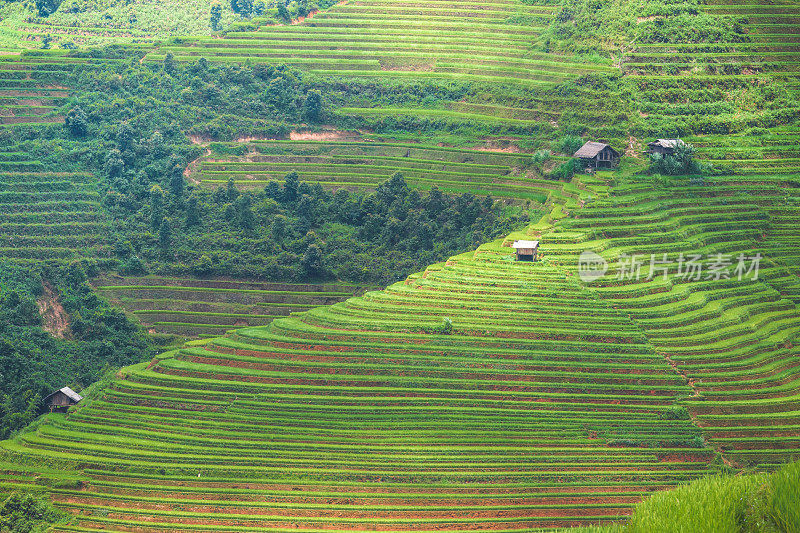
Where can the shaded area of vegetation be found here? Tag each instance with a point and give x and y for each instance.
(297, 231)
(680, 163)
(22, 512)
(33, 363)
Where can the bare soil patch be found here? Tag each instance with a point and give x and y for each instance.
(325, 135)
(56, 319)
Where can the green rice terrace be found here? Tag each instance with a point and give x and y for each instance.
(364, 165)
(262, 266)
(202, 308)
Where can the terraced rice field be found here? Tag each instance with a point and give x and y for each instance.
(30, 92)
(46, 213)
(462, 39)
(200, 308)
(673, 78)
(734, 341)
(405, 40)
(552, 402)
(49, 215)
(357, 414)
(366, 164)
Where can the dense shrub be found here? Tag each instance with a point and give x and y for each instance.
(566, 170)
(681, 163)
(23, 513)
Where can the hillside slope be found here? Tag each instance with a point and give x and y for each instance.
(554, 402)
(483, 393)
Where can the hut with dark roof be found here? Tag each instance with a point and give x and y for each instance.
(61, 400)
(597, 155)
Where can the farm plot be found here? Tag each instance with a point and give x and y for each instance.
(31, 88)
(444, 40)
(733, 340)
(699, 87)
(49, 215)
(366, 164)
(46, 214)
(199, 308)
(536, 404)
(377, 41)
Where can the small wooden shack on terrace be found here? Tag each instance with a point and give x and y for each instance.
(663, 146)
(61, 400)
(526, 250)
(597, 155)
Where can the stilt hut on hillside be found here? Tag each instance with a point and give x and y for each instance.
(526, 250)
(597, 155)
(61, 400)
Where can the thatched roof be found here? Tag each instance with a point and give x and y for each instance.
(591, 149)
(525, 244)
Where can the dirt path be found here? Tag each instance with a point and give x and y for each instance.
(324, 135)
(192, 167)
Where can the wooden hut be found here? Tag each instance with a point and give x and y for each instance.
(597, 155)
(61, 400)
(526, 250)
(663, 146)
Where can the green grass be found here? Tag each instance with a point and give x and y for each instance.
(720, 504)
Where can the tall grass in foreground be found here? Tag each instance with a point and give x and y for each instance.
(752, 503)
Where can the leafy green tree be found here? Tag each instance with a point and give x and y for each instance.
(177, 184)
(302, 8)
(231, 192)
(280, 228)
(244, 212)
(156, 207)
(192, 212)
(203, 266)
(22, 513)
(279, 95)
(680, 163)
(165, 234)
(76, 121)
(569, 144)
(305, 209)
(216, 16)
(312, 261)
(17, 412)
(19, 309)
(47, 7)
(283, 13)
(242, 7)
(114, 164)
(312, 107)
(169, 64)
(291, 184)
(126, 136)
(133, 266)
